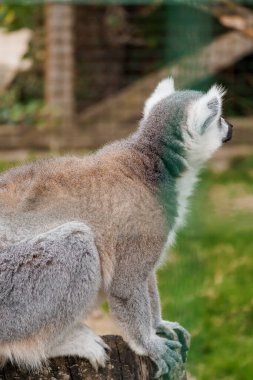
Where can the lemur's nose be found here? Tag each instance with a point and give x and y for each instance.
(229, 134)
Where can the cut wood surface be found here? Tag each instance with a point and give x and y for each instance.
(123, 364)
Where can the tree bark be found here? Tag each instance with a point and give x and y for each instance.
(123, 364)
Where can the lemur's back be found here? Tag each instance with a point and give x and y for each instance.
(25, 188)
(102, 190)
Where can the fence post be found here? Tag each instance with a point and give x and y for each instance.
(59, 67)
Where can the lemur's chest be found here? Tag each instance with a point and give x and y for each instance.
(184, 188)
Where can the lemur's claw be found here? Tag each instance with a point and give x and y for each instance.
(169, 368)
(184, 338)
(168, 332)
(170, 361)
(173, 330)
(162, 369)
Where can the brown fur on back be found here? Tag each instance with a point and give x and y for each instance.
(104, 190)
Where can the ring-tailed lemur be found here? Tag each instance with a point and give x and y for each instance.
(71, 227)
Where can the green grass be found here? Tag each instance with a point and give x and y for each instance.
(4, 165)
(207, 284)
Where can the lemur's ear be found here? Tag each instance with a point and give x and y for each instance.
(164, 89)
(206, 110)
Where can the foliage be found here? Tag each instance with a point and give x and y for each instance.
(14, 15)
(207, 283)
(22, 103)
(17, 113)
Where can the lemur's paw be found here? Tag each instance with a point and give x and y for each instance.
(96, 353)
(164, 355)
(173, 330)
(92, 348)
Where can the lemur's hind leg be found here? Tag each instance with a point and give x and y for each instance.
(83, 342)
(47, 284)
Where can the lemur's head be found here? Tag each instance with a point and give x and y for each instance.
(192, 116)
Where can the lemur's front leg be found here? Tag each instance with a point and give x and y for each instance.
(131, 307)
(169, 329)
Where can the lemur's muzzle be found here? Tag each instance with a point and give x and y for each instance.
(229, 134)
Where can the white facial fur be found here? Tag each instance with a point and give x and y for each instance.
(205, 128)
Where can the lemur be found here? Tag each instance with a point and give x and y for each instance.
(72, 227)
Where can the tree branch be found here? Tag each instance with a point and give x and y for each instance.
(231, 15)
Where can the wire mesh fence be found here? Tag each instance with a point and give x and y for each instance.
(92, 64)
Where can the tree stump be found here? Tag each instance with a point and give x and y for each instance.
(123, 364)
